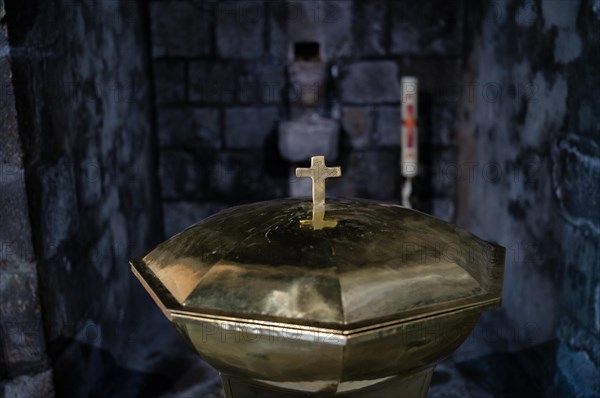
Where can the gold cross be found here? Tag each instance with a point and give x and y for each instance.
(318, 172)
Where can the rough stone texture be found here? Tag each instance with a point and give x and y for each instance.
(370, 82)
(15, 236)
(184, 127)
(578, 372)
(180, 28)
(248, 127)
(26, 386)
(433, 27)
(536, 196)
(239, 29)
(22, 336)
(576, 163)
(22, 340)
(85, 109)
(212, 82)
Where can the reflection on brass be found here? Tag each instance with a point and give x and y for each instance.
(365, 309)
(318, 219)
(318, 172)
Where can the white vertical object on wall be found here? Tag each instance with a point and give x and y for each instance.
(409, 142)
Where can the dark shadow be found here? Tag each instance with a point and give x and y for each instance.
(527, 373)
(104, 377)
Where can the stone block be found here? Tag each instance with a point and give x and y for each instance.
(363, 176)
(370, 18)
(370, 82)
(375, 126)
(169, 81)
(211, 82)
(239, 29)
(180, 215)
(576, 163)
(301, 138)
(261, 82)
(180, 28)
(431, 28)
(34, 386)
(248, 127)
(189, 127)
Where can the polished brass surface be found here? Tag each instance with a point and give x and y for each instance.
(281, 308)
(381, 263)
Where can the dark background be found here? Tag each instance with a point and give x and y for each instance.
(122, 122)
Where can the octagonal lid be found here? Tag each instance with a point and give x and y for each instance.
(364, 264)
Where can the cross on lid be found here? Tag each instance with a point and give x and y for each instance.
(318, 172)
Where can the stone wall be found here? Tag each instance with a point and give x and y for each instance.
(24, 366)
(529, 152)
(84, 102)
(223, 81)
